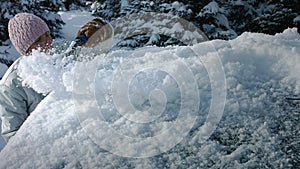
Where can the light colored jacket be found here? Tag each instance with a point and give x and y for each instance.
(16, 101)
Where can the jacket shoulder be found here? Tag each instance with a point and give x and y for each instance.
(11, 75)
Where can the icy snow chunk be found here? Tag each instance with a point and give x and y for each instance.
(46, 74)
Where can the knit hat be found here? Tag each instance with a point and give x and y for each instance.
(24, 29)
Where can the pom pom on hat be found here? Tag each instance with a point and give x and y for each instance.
(24, 29)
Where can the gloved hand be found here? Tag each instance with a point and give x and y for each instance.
(88, 30)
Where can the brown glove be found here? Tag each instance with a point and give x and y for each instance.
(91, 27)
(105, 31)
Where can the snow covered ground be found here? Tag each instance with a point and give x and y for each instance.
(217, 104)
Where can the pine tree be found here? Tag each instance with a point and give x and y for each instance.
(214, 22)
(108, 10)
(266, 16)
(112, 10)
(274, 17)
(76, 4)
(240, 14)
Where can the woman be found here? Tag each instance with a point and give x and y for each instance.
(27, 32)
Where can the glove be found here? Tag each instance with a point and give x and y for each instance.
(88, 30)
(91, 27)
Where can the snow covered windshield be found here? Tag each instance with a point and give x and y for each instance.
(220, 104)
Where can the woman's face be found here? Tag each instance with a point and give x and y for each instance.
(44, 43)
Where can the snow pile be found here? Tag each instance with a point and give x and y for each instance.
(102, 112)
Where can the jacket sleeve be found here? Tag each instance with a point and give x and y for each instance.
(13, 109)
(16, 102)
